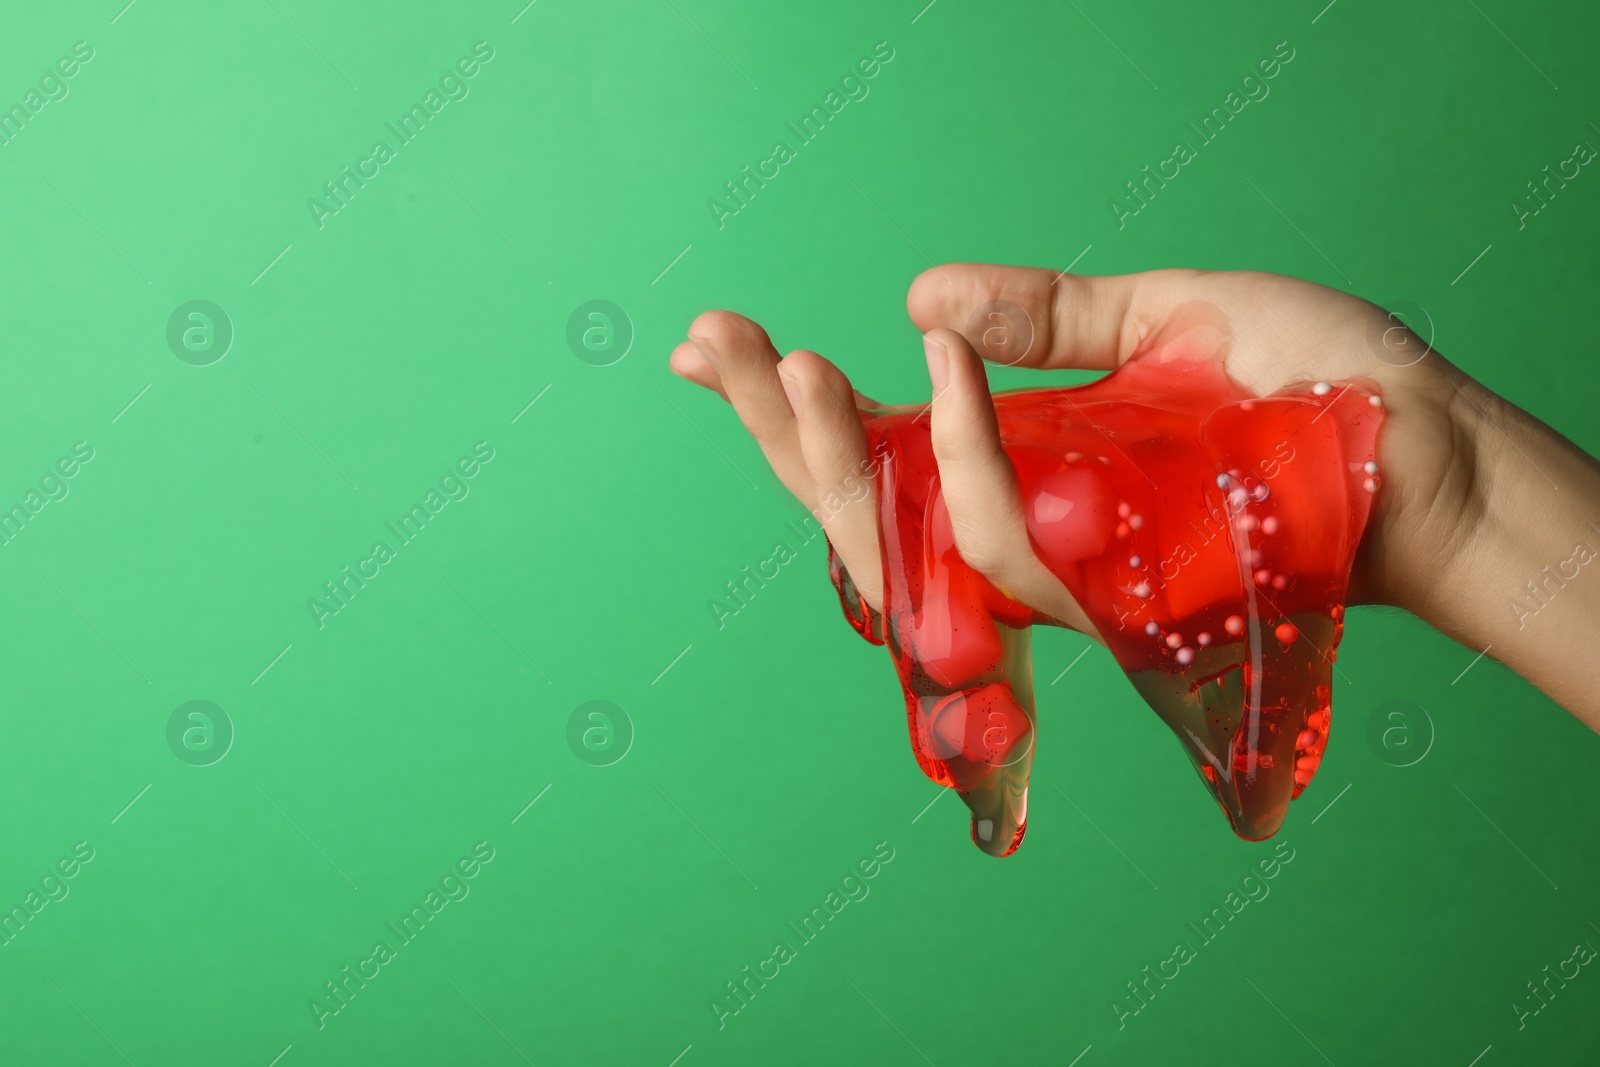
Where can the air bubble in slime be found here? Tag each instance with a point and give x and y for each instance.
(1207, 532)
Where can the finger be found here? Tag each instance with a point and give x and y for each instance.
(687, 363)
(834, 446)
(1026, 316)
(980, 484)
(746, 365)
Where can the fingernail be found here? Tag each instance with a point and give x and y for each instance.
(791, 389)
(709, 353)
(938, 364)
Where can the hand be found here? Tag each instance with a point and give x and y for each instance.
(1437, 541)
(802, 409)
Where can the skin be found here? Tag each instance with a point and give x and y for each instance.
(1484, 515)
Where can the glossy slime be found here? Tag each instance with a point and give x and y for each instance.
(1207, 532)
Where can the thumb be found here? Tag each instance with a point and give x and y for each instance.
(1033, 317)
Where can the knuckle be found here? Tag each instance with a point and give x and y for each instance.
(762, 434)
(978, 549)
(832, 387)
(997, 548)
(945, 449)
(964, 453)
(996, 574)
(727, 329)
(822, 379)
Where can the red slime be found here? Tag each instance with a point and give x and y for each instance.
(1206, 531)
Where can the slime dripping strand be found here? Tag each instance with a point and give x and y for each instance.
(1207, 532)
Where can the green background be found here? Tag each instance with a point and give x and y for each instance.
(769, 756)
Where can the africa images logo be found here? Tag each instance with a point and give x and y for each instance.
(740, 191)
(343, 588)
(341, 189)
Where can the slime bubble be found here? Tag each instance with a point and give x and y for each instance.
(1207, 532)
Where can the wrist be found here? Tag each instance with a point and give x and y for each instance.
(1513, 568)
(1430, 511)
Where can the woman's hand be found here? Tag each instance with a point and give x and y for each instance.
(1474, 491)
